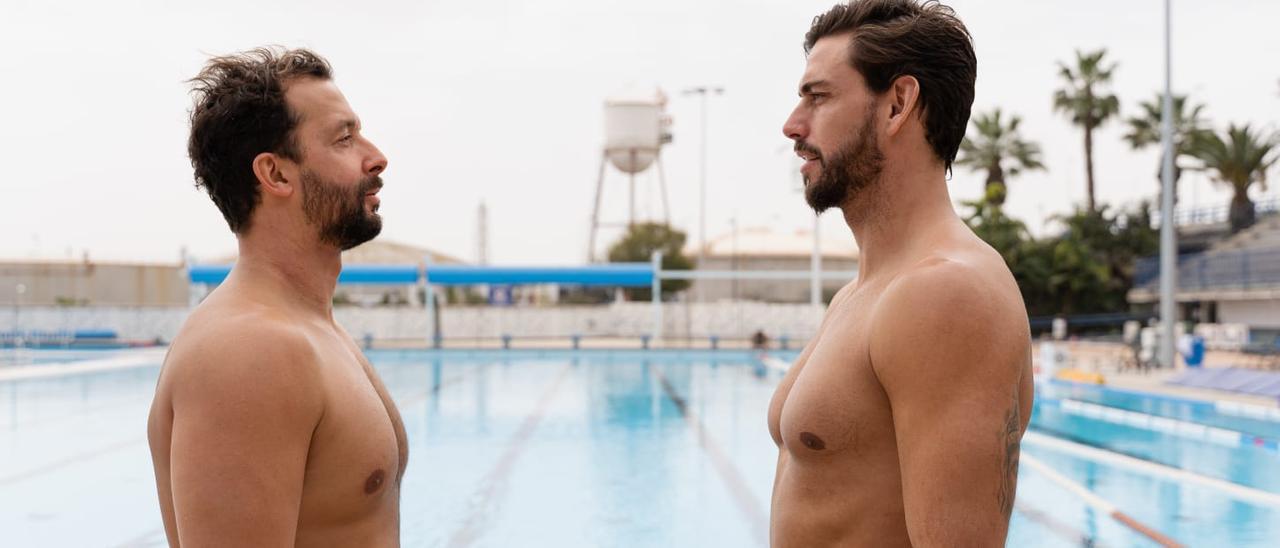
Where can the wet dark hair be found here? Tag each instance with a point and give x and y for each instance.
(239, 113)
(893, 38)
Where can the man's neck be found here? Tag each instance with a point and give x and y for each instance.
(299, 269)
(907, 206)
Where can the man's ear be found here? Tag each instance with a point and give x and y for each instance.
(904, 97)
(269, 170)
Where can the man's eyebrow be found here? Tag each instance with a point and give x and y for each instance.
(807, 87)
(347, 124)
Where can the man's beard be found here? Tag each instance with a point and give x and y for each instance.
(339, 215)
(854, 168)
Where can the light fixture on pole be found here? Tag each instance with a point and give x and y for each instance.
(702, 92)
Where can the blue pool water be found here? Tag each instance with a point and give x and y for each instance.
(1202, 412)
(628, 449)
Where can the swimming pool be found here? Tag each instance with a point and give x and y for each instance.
(31, 356)
(590, 448)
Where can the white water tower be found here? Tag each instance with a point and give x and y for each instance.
(636, 126)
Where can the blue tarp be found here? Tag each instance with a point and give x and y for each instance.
(1231, 379)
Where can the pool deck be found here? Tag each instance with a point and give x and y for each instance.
(1105, 359)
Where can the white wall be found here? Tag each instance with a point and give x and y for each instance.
(727, 320)
(1258, 314)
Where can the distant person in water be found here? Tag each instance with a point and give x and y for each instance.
(759, 340)
(269, 427)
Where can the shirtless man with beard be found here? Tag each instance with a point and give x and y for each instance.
(900, 422)
(269, 427)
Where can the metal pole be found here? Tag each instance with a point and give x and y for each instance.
(815, 265)
(17, 315)
(662, 181)
(1168, 238)
(631, 223)
(429, 298)
(656, 298)
(702, 92)
(702, 184)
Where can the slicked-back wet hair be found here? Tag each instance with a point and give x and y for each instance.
(894, 38)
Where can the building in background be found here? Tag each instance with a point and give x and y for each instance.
(763, 248)
(91, 283)
(38, 283)
(1234, 281)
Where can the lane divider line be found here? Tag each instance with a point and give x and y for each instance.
(1098, 503)
(1079, 450)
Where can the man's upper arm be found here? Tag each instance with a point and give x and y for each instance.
(245, 408)
(951, 363)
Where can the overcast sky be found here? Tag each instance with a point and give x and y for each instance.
(502, 101)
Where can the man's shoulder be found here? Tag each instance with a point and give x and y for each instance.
(220, 350)
(955, 310)
(966, 276)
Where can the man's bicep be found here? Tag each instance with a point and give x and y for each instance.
(951, 367)
(958, 458)
(238, 456)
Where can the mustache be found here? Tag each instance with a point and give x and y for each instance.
(370, 184)
(802, 146)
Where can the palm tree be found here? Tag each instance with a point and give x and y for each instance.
(1240, 160)
(1146, 130)
(995, 144)
(1087, 103)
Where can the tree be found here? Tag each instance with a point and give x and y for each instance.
(1088, 267)
(1238, 161)
(638, 245)
(1147, 129)
(1011, 239)
(999, 150)
(1088, 104)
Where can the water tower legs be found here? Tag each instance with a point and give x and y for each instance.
(662, 182)
(595, 211)
(631, 222)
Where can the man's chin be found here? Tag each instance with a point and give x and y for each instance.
(817, 199)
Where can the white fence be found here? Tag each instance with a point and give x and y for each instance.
(632, 319)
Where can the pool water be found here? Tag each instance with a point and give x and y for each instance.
(626, 449)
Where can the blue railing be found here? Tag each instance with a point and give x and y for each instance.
(1219, 213)
(1242, 269)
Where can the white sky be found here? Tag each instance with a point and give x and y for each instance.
(502, 101)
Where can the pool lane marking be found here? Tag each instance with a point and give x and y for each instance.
(728, 472)
(1250, 410)
(74, 459)
(1239, 492)
(1098, 503)
(1165, 425)
(1051, 523)
(492, 482)
(434, 390)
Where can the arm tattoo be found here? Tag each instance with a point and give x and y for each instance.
(1010, 439)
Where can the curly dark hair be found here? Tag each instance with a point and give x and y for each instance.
(239, 113)
(893, 38)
